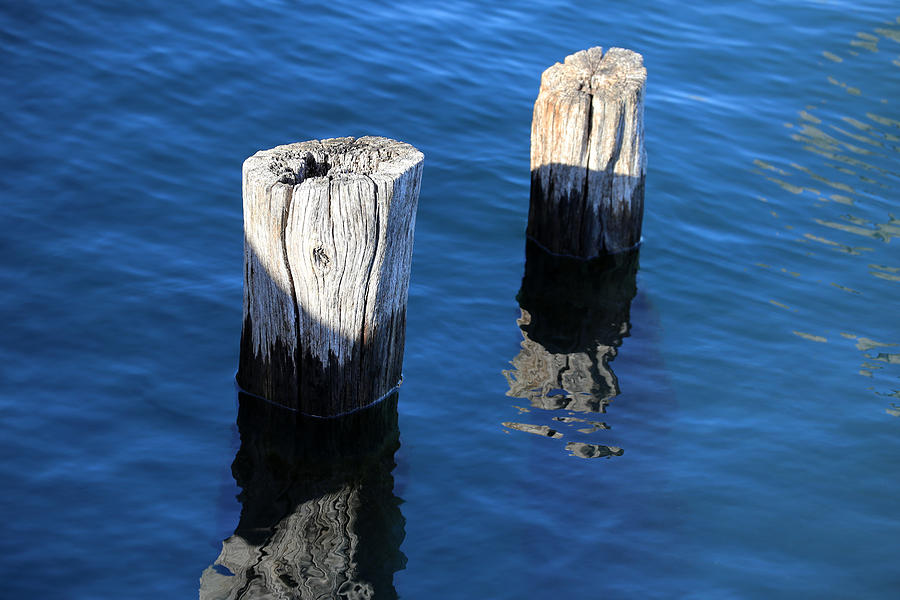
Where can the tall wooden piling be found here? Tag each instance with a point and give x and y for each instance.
(328, 238)
(587, 154)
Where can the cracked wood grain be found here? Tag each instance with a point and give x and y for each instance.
(328, 237)
(588, 161)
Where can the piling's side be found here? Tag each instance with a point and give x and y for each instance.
(328, 237)
(588, 162)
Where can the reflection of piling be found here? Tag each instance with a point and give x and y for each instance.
(587, 154)
(575, 314)
(328, 236)
(319, 518)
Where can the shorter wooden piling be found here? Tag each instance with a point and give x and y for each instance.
(328, 238)
(588, 162)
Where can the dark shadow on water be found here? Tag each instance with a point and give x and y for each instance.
(574, 316)
(319, 518)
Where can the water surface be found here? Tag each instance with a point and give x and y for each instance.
(755, 400)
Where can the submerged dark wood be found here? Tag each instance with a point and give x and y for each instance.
(587, 154)
(328, 236)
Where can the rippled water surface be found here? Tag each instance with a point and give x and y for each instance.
(737, 432)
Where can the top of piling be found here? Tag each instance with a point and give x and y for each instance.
(593, 72)
(292, 164)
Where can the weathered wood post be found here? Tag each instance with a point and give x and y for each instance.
(328, 238)
(587, 154)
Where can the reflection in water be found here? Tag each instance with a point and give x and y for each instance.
(582, 450)
(574, 315)
(542, 430)
(319, 518)
(850, 179)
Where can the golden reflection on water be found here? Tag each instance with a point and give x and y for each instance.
(884, 272)
(852, 250)
(866, 40)
(811, 337)
(851, 176)
(784, 306)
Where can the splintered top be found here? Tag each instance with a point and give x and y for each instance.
(592, 72)
(294, 163)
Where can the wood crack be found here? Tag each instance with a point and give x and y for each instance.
(587, 154)
(285, 220)
(583, 242)
(364, 326)
(327, 271)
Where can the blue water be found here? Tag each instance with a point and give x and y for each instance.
(759, 404)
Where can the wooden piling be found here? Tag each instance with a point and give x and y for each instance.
(328, 238)
(587, 154)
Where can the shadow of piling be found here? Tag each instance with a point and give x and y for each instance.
(319, 518)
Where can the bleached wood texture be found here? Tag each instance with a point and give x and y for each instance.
(328, 238)
(587, 154)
